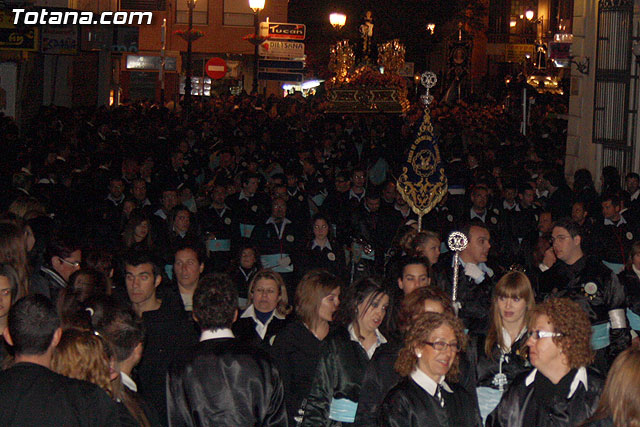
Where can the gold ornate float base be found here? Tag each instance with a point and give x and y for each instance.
(365, 100)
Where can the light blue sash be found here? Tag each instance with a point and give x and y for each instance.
(271, 261)
(169, 270)
(600, 336)
(488, 399)
(616, 268)
(343, 410)
(634, 320)
(219, 245)
(246, 230)
(318, 199)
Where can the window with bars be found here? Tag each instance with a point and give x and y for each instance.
(613, 73)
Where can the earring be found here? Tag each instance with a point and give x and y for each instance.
(418, 354)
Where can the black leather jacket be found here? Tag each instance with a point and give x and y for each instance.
(408, 405)
(571, 411)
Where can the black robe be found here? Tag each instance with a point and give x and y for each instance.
(516, 402)
(224, 382)
(408, 404)
(338, 375)
(32, 395)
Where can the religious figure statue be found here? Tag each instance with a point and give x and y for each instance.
(366, 32)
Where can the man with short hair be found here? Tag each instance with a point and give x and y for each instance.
(616, 234)
(586, 280)
(62, 258)
(33, 395)
(223, 381)
(188, 265)
(169, 331)
(475, 277)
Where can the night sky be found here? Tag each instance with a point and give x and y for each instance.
(404, 19)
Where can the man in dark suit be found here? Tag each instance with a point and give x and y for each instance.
(33, 395)
(223, 381)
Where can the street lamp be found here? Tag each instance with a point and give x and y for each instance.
(191, 4)
(529, 14)
(257, 6)
(338, 20)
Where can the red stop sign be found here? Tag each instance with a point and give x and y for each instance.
(216, 68)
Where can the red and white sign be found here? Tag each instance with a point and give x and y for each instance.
(216, 68)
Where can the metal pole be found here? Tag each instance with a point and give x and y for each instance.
(256, 29)
(163, 39)
(187, 83)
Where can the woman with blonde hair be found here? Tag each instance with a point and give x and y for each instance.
(499, 356)
(267, 312)
(620, 401)
(85, 355)
(426, 244)
(561, 390)
(429, 361)
(297, 347)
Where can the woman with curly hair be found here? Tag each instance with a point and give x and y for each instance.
(497, 357)
(267, 312)
(429, 361)
(561, 390)
(335, 390)
(380, 377)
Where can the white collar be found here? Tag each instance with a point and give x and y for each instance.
(511, 207)
(272, 220)
(380, 340)
(474, 214)
(507, 338)
(635, 270)
(128, 382)
(619, 223)
(212, 334)
(244, 197)
(427, 383)
(251, 312)
(635, 194)
(581, 377)
(357, 196)
(327, 245)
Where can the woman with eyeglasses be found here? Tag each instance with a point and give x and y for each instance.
(335, 389)
(497, 357)
(429, 362)
(561, 390)
(267, 312)
(322, 252)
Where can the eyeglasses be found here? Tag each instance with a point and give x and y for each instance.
(75, 264)
(442, 346)
(543, 334)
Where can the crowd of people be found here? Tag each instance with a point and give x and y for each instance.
(256, 265)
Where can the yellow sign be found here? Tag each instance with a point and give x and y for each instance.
(518, 52)
(17, 38)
